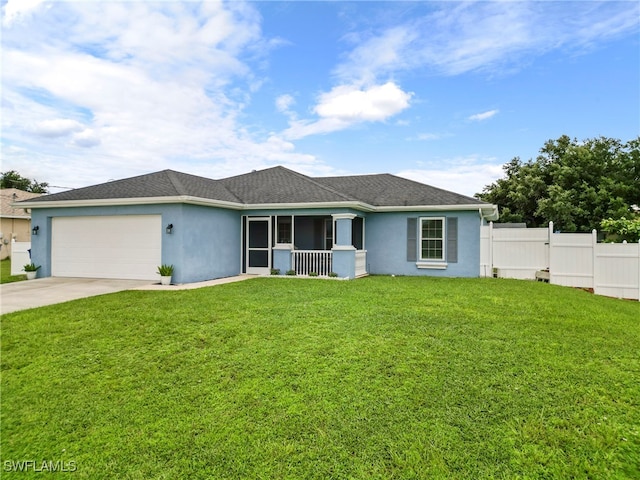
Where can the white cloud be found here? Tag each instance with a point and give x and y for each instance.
(483, 116)
(347, 105)
(284, 103)
(351, 104)
(378, 55)
(455, 38)
(144, 85)
(59, 127)
(87, 138)
(430, 136)
(16, 10)
(466, 176)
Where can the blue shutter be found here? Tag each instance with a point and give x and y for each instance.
(452, 239)
(412, 239)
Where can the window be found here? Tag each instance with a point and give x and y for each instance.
(283, 229)
(357, 233)
(432, 239)
(426, 239)
(328, 234)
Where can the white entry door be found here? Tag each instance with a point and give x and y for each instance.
(259, 246)
(117, 246)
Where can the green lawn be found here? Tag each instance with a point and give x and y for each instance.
(376, 378)
(5, 273)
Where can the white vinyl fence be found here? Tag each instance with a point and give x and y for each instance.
(19, 257)
(572, 259)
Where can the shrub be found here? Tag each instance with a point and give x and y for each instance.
(291, 272)
(333, 274)
(165, 270)
(313, 274)
(31, 267)
(275, 271)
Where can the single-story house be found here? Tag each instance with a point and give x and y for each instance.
(15, 221)
(269, 219)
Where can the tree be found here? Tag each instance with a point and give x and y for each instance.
(13, 179)
(623, 228)
(574, 184)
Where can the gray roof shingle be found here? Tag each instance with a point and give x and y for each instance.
(167, 183)
(390, 190)
(271, 186)
(281, 185)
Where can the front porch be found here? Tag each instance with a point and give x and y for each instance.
(311, 262)
(322, 245)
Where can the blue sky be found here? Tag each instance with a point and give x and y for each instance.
(441, 92)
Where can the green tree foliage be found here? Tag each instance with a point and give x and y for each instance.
(623, 228)
(574, 184)
(13, 179)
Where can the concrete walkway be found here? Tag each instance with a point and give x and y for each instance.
(48, 291)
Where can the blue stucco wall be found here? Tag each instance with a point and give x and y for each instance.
(344, 263)
(210, 244)
(282, 259)
(205, 242)
(386, 244)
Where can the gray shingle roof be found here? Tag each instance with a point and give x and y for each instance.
(389, 190)
(166, 183)
(281, 185)
(271, 186)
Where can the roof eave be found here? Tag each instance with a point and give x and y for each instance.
(107, 202)
(487, 211)
(15, 217)
(365, 207)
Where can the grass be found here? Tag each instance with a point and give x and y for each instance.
(376, 378)
(5, 273)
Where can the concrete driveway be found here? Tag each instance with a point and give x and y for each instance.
(47, 291)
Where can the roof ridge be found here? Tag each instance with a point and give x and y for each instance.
(177, 184)
(319, 184)
(280, 168)
(182, 190)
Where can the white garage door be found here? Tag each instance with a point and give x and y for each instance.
(122, 246)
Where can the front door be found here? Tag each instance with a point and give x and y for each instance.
(259, 246)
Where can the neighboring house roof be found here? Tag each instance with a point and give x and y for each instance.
(10, 195)
(272, 187)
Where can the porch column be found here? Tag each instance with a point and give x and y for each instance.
(282, 257)
(343, 252)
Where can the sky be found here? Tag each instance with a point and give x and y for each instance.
(444, 92)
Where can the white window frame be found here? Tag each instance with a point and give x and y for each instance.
(278, 242)
(432, 262)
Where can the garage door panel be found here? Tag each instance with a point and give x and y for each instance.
(123, 246)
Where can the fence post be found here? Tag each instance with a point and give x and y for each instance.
(550, 266)
(490, 249)
(594, 256)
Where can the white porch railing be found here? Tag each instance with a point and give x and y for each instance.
(307, 261)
